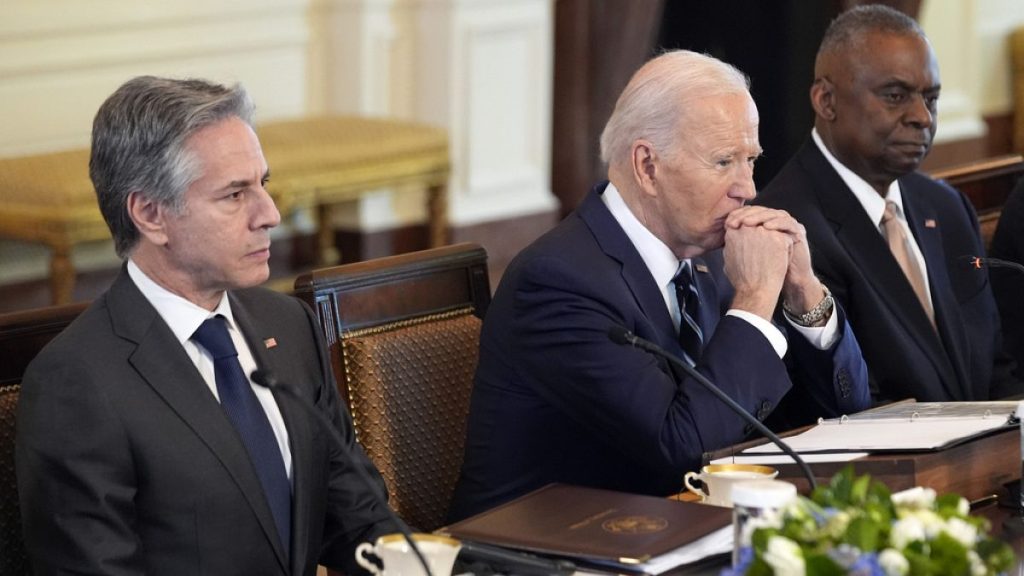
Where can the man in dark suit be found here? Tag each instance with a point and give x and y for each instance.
(555, 400)
(143, 447)
(892, 244)
(1008, 283)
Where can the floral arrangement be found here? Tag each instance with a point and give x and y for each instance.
(855, 526)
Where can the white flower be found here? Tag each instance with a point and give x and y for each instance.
(906, 530)
(963, 532)
(963, 507)
(914, 498)
(931, 522)
(784, 556)
(893, 563)
(769, 519)
(977, 566)
(838, 523)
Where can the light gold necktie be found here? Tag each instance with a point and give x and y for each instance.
(900, 248)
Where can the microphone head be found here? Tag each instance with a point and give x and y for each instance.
(620, 335)
(264, 378)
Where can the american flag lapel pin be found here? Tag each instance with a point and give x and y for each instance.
(701, 268)
(930, 223)
(270, 343)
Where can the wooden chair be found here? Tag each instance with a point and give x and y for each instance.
(403, 333)
(987, 183)
(22, 336)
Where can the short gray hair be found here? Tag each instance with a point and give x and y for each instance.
(658, 95)
(138, 144)
(850, 27)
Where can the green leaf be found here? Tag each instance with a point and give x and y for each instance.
(759, 539)
(862, 533)
(996, 554)
(950, 554)
(920, 565)
(859, 489)
(759, 568)
(946, 505)
(821, 565)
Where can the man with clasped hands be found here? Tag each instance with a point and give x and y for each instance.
(142, 445)
(556, 401)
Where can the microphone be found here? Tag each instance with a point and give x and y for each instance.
(267, 379)
(620, 335)
(978, 262)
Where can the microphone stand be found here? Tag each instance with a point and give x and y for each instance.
(266, 379)
(620, 335)
(1013, 524)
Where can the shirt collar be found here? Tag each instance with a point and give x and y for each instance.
(873, 204)
(183, 317)
(658, 257)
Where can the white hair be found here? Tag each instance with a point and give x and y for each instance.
(657, 97)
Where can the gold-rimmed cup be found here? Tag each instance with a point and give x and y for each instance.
(399, 559)
(717, 480)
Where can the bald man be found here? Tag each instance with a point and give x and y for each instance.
(891, 244)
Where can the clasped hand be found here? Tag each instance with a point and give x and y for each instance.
(766, 254)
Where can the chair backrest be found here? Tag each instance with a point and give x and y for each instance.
(987, 183)
(403, 333)
(22, 336)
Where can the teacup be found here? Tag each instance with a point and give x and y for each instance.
(718, 479)
(400, 560)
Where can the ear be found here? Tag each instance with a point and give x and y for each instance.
(823, 99)
(644, 163)
(149, 218)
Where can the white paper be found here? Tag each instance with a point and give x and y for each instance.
(873, 435)
(717, 542)
(783, 459)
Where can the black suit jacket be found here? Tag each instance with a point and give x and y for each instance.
(906, 357)
(1007, 283)
(554, 400)
(127, 464)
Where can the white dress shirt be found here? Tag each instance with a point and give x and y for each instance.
(663, 265)
(874, 206)
(183, 318)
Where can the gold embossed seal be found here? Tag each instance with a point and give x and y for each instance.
(634, 524)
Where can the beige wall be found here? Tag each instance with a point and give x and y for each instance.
(970, 38)
(480, 68)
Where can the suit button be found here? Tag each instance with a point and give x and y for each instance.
(764, 410)
(843, 382)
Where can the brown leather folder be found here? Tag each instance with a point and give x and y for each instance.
(593, 525)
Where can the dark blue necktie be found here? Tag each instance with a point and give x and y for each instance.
(245, 411)
(691, 338)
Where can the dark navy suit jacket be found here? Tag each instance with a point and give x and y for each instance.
(906, 357)
(128, 465)
(556, 401)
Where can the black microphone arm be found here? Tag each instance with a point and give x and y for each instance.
(266, 379)
(978, 262)
(620, 335)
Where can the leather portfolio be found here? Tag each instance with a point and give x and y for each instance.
(592, 524)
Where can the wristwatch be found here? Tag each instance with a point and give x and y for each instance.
(821, 310)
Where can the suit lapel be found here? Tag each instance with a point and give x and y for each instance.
(867, 248)
(162, 362)
(614, 242)
(927, 230)
(296, 421)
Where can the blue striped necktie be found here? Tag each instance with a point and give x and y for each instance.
(250, 420)
(691, 338)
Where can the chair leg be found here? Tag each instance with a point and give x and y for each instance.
(62, 275)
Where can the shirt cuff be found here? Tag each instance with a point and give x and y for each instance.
(821, 337)
(770, 331)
